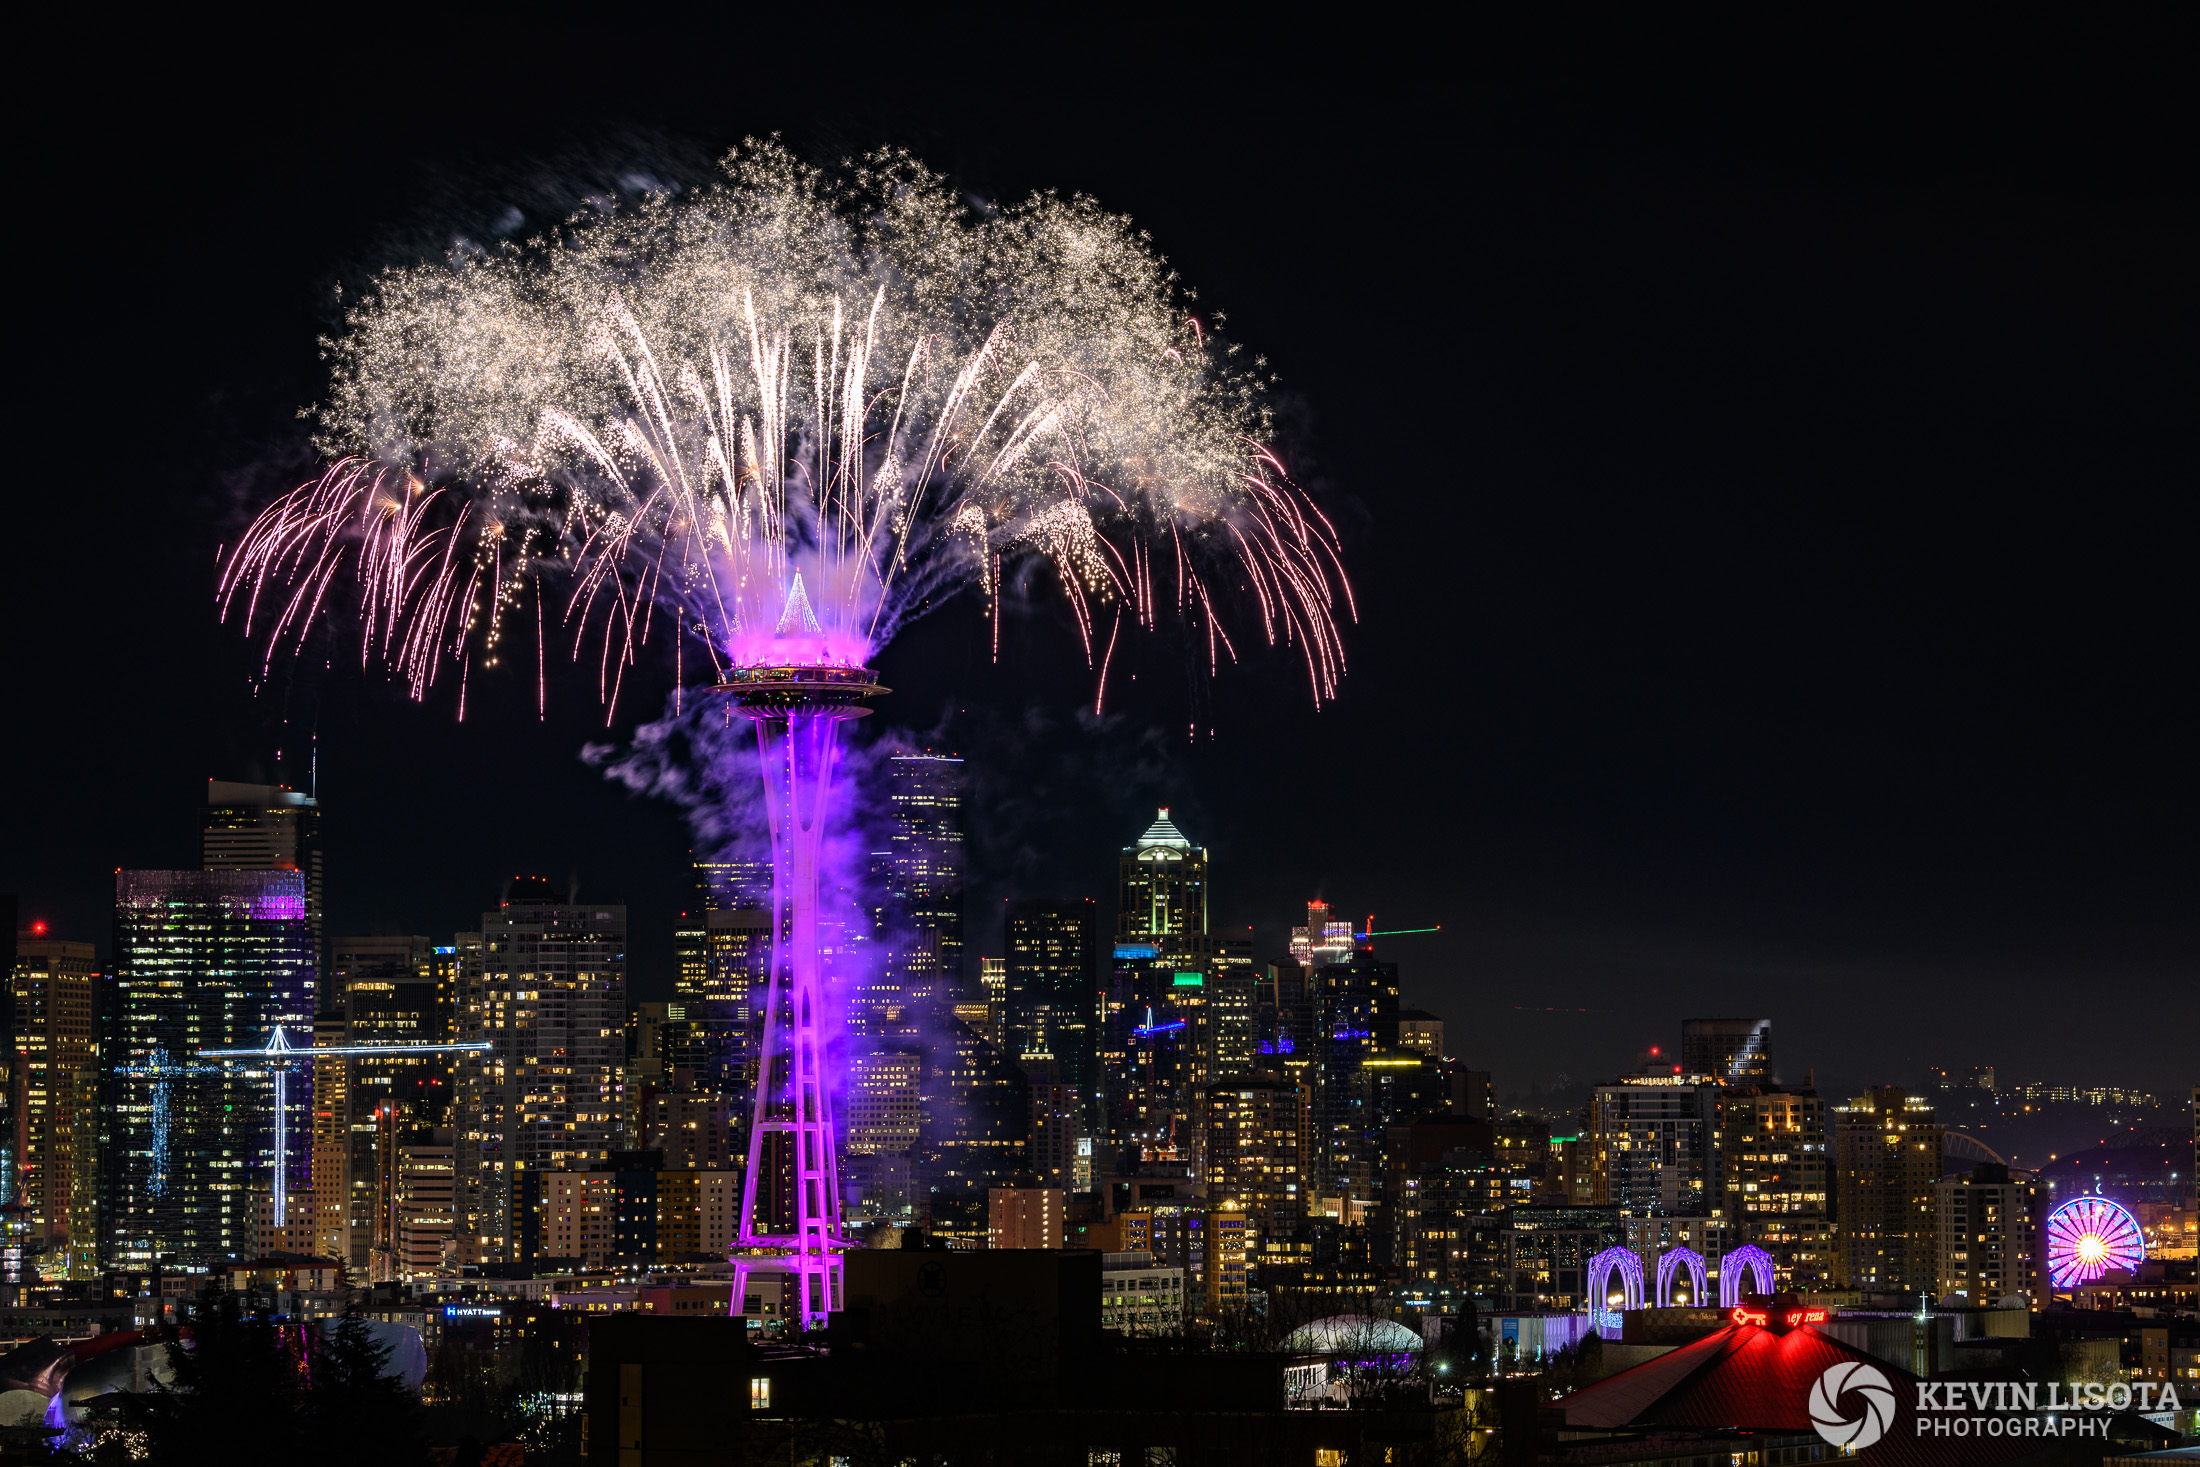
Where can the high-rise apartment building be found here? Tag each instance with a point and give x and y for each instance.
(919, 876)
(57, 1045)
(1653, 1150)
(264, 827)
(387, 990)
(1255, 1137)
(1024, 1217)
(1983, 1233)
(884, 1109)
(1774, 1171)
(697, 1132)
(1161, 888)
(203, 960)
(1737, 1051)
(1052, 999)
(1887, 1151)
(1061, 1138)
(1355, 1007)
(544, 982)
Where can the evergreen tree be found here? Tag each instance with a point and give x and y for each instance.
(355, 1413)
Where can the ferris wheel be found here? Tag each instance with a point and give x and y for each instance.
(2088, 1237)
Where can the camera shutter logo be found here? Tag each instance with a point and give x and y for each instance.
(1868, 1394)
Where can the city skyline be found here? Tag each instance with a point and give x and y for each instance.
(1782, 614)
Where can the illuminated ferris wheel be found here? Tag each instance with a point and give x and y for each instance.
(2088, 1237)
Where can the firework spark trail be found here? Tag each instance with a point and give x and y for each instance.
(847, 391)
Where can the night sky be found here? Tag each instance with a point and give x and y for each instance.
(1766, 465)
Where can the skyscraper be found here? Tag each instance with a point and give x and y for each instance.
(920, 879)
(264, 827)
(1737, 1051)
(1887, 1150)
(1161, 887)
(1053, 992)
(57, 1045)
(1254, 1135)
(1773, 1168)
(1325, 938)
(545, 982)
(1984, 1236)
(1652, 1136)
(1355, 1020)
(386, 991)
(203, 959)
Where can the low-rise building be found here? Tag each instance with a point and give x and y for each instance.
(1139, 1296)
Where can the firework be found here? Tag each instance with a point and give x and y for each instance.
(769, 422)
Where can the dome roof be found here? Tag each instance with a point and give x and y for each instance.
(1354, 1334)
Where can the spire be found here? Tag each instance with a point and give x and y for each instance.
(797, 619)
(1163, 832)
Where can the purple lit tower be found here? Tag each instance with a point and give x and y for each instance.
(798, 708)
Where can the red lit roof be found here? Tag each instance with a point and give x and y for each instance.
(1747, 1378)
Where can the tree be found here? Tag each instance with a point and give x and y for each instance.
(232, 1390)
(355, 1412)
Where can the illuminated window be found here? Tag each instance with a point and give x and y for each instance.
(760, 1393)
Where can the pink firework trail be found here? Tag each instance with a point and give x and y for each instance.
(778, 419)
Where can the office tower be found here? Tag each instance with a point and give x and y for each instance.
(884, 1106)
(544, 981)
(1149, 1055)
(720, 1022)
(1283, 1017)
(630, 1209)
(334, 1211)
(1887, 1150)
(1738, 1051)
(1061, 1138)
(385, 990)
(1255, 1135)
(732, 884)
(1984, 1237)
(1355, 1020)
(1774, 1182)
(696, 1132)
(1422, 1032)
(264, 827)
(1325, 939)
(203, 960)
(993, 983)
(1547, 1252)
(57, 1045)
(976, 1122)
(425, 1197)
(1024, 1217)
(920, 879)
(1161, 887)
(1052, 998)
(1653, 1145)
